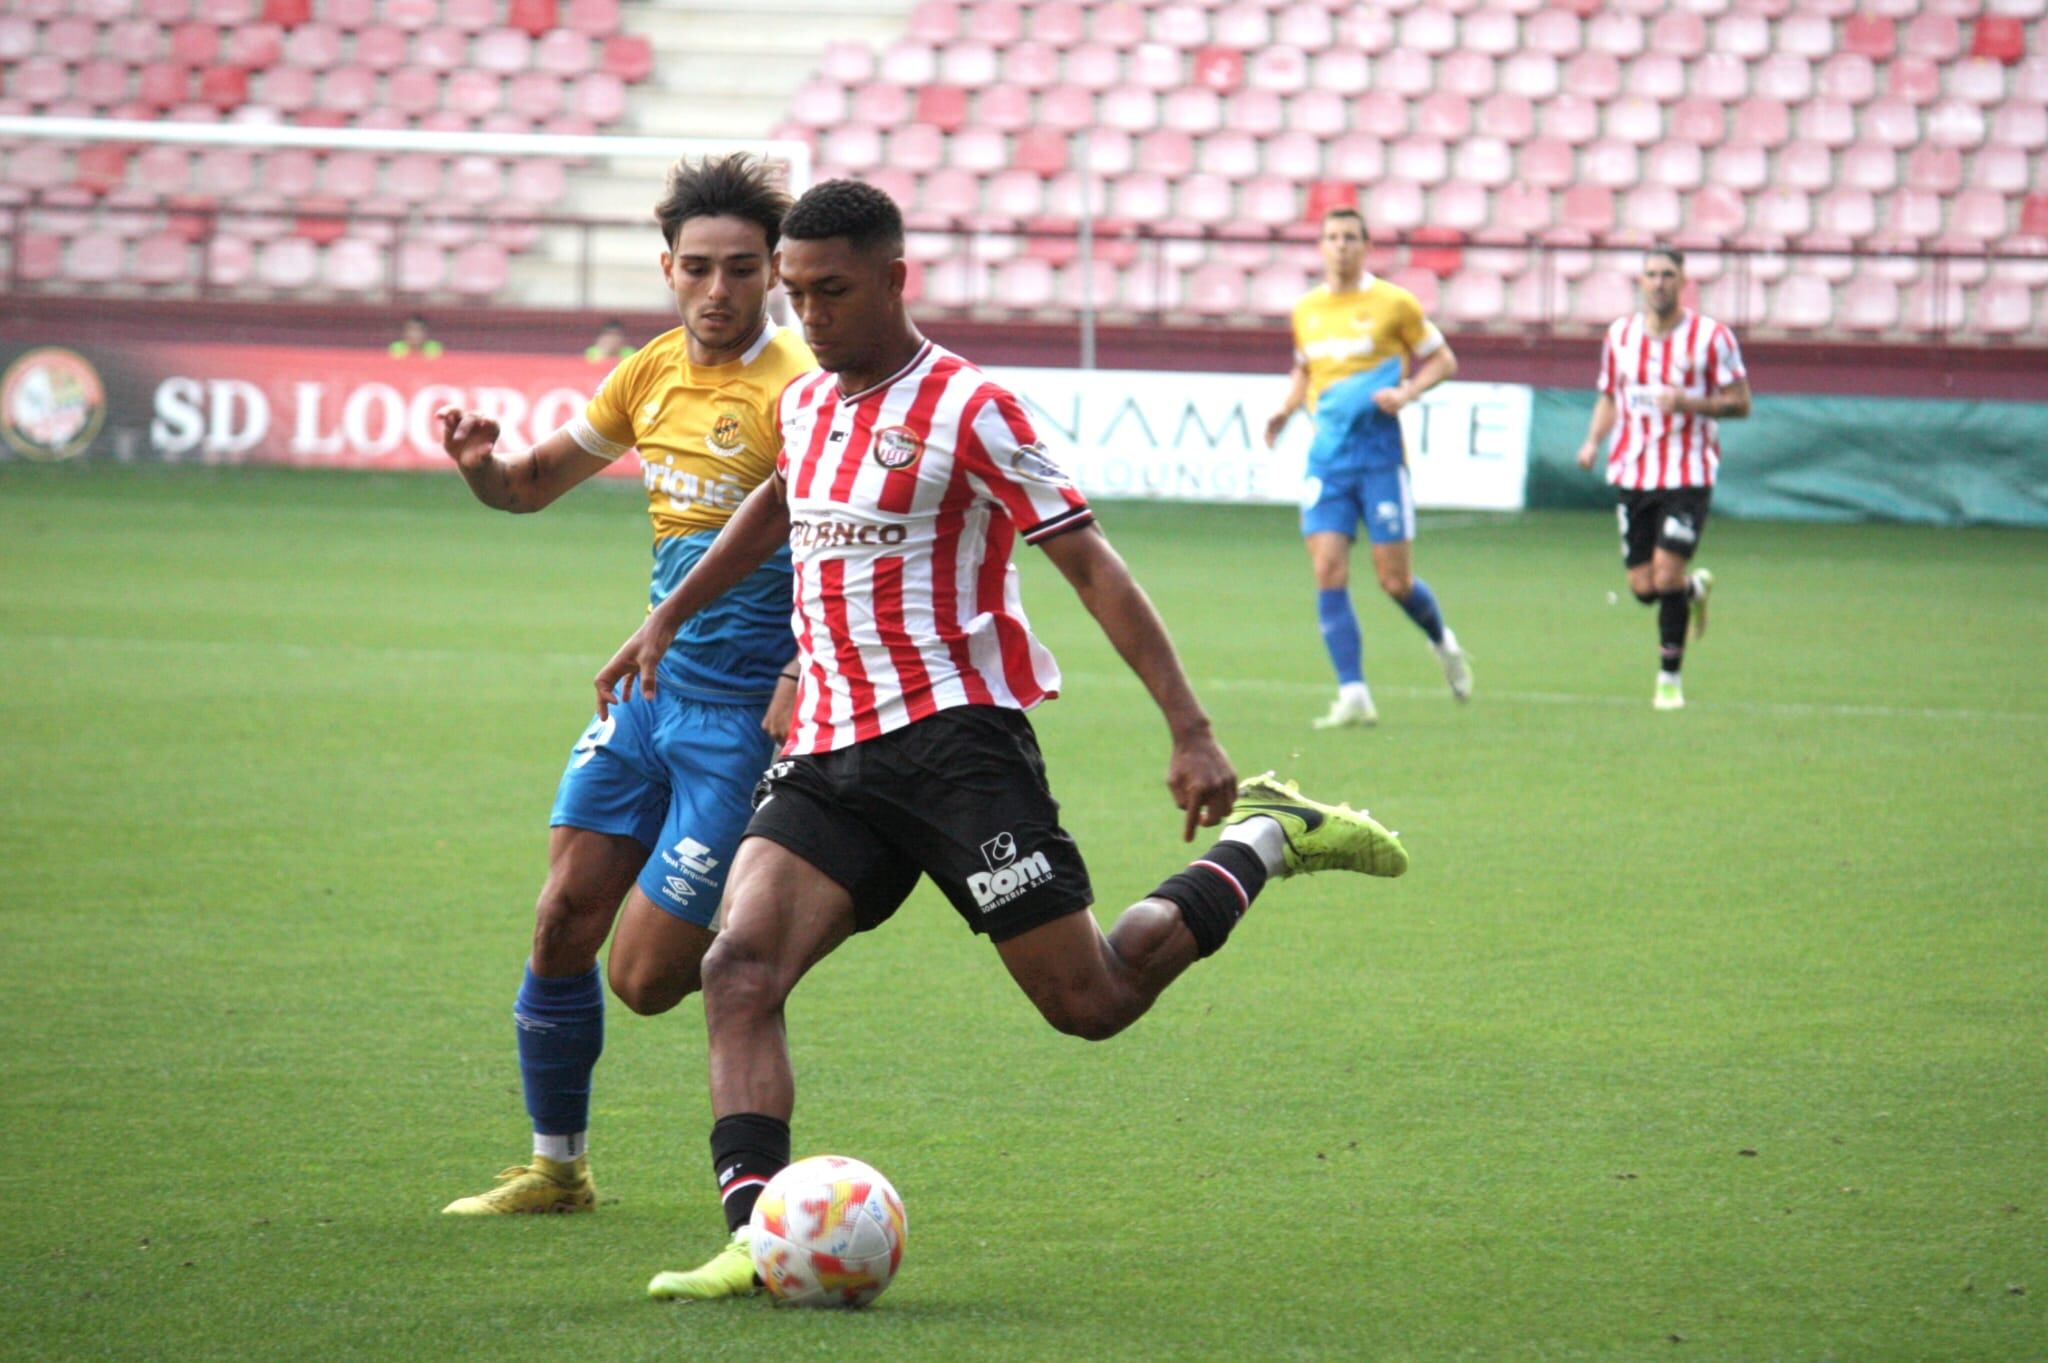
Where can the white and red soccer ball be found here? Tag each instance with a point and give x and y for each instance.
(828, 1231)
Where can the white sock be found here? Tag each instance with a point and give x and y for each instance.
(1355, 692)
(1667, 678)
(1450, 643)
(1263, 835)
(561, 1149)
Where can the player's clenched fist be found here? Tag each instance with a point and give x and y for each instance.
(468, 437)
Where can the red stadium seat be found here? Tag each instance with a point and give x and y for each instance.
(1721, 77)
(312, 46)
(600, 98)
(1762, 122)
(1521, 210)
(1532, 75)
(1444, 116)
(1635, 121)
(598, 18)
(1587, 208)
(531, 17)
(1549, 162)
(2003, 308)
(1571, 119)
(1701, 122)
(1980, 216)
(1484, 161)
(1869, 35)
(1041, 153)
(1283, 70)
(1891, 123)
(1358, 159)
(1121, 24)
(1933, 35)
(1324, 195)
(1914, 215)
(479, 269)
(1421, 159)
(1938, 170)
(1614, 33)
(1490, 32)
(917, 147)
(1610, 164)
(1915, 80)
(1016, 194)
(1676, 165)
(1869, 305)
(2020, 125)
(1681, 34)
(1847, 76)
(1216, 291)
(1475, 297)
(441, 49)
(288, 264)
(1999, 38)
(1555, 31)
(1716, 211)
(348, 89)
(287, 13)
(1511, 118)
(1657, 77)
(566, 52)
(1850, 213)
(1601, 297)
(1999, 168)
(163, 258)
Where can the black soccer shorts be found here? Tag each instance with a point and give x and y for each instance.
(960, 796)
(1671, 519)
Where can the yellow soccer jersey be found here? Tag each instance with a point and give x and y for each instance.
(708, 434)
(1340, 334)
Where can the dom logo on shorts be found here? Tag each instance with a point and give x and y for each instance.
(1006, 876)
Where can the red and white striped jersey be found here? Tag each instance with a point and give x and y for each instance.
(904, 503)
(1650, 449)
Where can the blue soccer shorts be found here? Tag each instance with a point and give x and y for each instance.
(1382, 498)
(678, 776)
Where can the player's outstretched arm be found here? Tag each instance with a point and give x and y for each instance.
(1439, 366)
(1297, 395)
(517, 482)
(756, 530)
(1199, 773)
(1604, 416)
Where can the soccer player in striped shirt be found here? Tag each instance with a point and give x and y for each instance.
(905, 481)
(653, 798)
(1668, 377)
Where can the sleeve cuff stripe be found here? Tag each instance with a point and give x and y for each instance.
(1070, 519)
(586, 437)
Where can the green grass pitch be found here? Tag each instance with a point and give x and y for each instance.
(1712, 1035)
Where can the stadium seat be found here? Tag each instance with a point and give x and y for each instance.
(1740, 166)
(1936, 169)
(1614, 33)
(1532, 75)
(1292, 156)
(970, 64)
(1215, 290)
(1421, 159)
(1933, 309)
(1571, 119)
(1847, 76)
(1484, 161)
(1549, 162)
(1999, 168)
(1806, 166)
(1464, 76)
(1803, 302)
(1657, 78)
(1521, 210)
(1933, 35)
(1490, 32)
(1587, 208)
(1717, 211)
(1475, 297)
(1190, 110)
(1869, 35)
(598, 18)
(1913, 79)
(1999, 38)
(2021, 126)
(1357, 159)
(1850, 213)
(1826, 122)
(1341, 71)
(1511, 118)
(1675, 165)
(600, 98)
(1762, 122)
(2003, 307)
(1592, 76)
(1868, 305)
(1601, 297)
(1651, 211)
(1914, 215)
(1891, 122)
(1956, 123)
(852, 148)
(1721, 77)
(1701, 122)
(1610, 164)
(1460, 205)
(1980, 217)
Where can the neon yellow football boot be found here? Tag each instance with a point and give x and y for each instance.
(728, 1273)
(541, 1187)
(1320, 837)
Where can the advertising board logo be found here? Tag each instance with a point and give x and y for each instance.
(52, 404)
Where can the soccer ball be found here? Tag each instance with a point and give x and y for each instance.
(827, 1231)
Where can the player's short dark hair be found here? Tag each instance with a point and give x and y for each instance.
(1344, 211)
(735, 186)
(866, 216)
(1672, 253)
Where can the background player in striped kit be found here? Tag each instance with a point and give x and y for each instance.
(1668, 375)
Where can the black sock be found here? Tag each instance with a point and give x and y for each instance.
(1213, 893)
(1647, 598)
(747, 1149)
(1672, 614)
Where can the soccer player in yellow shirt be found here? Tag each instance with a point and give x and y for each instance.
(1363, 351)
(656, 794)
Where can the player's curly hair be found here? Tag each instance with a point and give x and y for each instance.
(737, 186)
(866, 216)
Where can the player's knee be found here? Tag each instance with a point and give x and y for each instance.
(1645, 595)
(1087, 1016)
(741, 978)
(566, 929)
(1397, 584)
(645, 991)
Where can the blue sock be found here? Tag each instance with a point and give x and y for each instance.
(1340, 633)
(1422, 609)
(561, 1034)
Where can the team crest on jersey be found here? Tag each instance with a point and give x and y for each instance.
(728, 436)
(898, 447)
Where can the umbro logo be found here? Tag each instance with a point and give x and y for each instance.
(836, 437)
